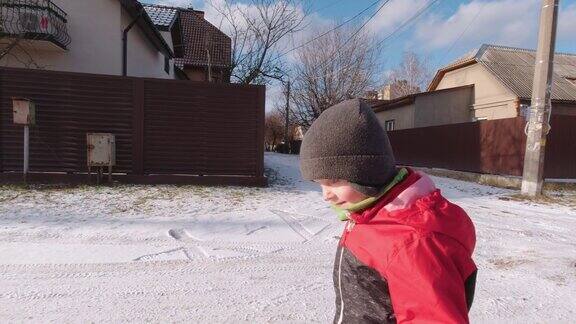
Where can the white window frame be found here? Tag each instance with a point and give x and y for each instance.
(390, 125)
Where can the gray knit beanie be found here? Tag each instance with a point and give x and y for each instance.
(347, 142)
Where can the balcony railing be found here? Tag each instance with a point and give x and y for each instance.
(34, 20)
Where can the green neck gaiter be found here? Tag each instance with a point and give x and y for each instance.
(343, 213)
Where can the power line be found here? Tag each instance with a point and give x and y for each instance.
(335, 2)
(348, 40)
(462, 33)
(419, 13)
(329, 31)
(356, 32)
(366, 22)
(410, 20)
(406, 23)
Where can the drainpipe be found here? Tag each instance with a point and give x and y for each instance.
(125, 43)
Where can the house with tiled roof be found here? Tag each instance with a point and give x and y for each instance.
(492, 82)
(112, 37)
(502, 77)
(206, 50)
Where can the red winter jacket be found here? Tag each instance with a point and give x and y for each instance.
(407, 259)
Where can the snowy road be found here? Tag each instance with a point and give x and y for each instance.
(282, 287)
(228, 255)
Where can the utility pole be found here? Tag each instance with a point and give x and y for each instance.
(286, 126)
(538, 124)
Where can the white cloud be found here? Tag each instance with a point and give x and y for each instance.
(567, 24)
(394, 14)
(315, 25)
(507, 22)
(275, 97)
(311, 26)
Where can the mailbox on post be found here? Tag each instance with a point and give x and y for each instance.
(24, 113)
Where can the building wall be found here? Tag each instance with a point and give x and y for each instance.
(445, 107)
(199, 74)
(195, 74)
(431, 109)
(403, 116)
(89, 51)
(95, 28)
(492, 100)
(144, 60)
(168, 38)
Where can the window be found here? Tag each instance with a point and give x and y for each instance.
(389, 125)
(167, 64)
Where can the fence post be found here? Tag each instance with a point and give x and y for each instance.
(260, 116)
(138, 127)
(1, 123)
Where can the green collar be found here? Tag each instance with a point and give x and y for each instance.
(344, 213)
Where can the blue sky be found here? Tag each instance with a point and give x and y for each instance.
(445, 31)
(477, 22)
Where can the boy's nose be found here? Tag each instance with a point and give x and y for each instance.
(327, 194)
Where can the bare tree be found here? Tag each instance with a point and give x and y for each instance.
(274, 129)
(410, 76)
(257, 30)
(339, 66)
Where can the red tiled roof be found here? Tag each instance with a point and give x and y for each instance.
(197, 35)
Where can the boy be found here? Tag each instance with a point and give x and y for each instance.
(406, 252)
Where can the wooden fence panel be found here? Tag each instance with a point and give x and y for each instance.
(201, 128)
(162, 127)
(68, 105)
(561, 148)
(490, 147)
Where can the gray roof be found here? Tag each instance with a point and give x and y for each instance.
(514, 67)
(162, 16)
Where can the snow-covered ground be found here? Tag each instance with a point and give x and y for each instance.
(256, 255)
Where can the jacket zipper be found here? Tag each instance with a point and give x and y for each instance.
(349, 226)
(340, 287)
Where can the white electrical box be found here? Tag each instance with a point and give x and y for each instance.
(24, 111)
(101, 149)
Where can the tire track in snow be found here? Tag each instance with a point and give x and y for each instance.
(296, 226)
(148, 291)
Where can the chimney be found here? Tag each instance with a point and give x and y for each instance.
(386, 93)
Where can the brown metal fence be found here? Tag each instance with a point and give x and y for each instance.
(489, 147)
(166, 130)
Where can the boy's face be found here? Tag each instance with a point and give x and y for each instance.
(340, 192)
